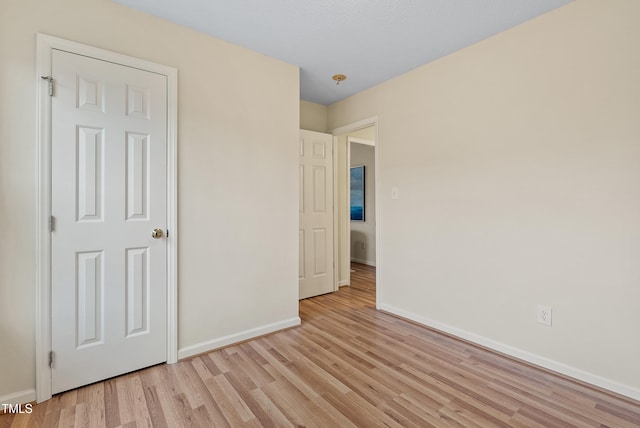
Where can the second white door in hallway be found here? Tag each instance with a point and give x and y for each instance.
(316, 255)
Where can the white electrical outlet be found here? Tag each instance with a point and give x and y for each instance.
(544, 315)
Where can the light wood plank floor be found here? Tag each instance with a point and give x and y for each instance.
(347, 365)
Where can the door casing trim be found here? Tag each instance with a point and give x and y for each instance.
(44, 47)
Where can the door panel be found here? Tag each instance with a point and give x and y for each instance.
(109, 282)
(89, 183)
(320, 252)
(319, 190)
(137, 290)
(316, 214)
(89, 304)
(137, 175)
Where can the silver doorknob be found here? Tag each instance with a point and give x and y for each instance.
(157, 233)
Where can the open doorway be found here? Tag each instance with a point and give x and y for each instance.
(362, 203)
(362, 200)
(357, 238)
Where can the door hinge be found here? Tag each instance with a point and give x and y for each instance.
(52, 223)
(50, 359)
(50, 80)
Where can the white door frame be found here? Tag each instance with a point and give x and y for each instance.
(45, 45)
(336, 219)
(352, 127)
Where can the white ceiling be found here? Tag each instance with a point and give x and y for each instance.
(370, 41)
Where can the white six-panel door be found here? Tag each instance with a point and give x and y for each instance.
(109, 166)
(315, 269)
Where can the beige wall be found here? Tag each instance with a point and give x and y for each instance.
(313, 116)
(518, 167)
(237, 173)
(368, 133)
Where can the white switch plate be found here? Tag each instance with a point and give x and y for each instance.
(395, 193)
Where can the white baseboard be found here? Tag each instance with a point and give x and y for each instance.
(210, 345)
(364, 262)
(520, 354)
(20, 397)
(343, 282)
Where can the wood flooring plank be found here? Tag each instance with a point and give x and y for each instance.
(37, 418)
(186, 417)
(211, 365)
(201, 369)
(132, 401)
(542, 417)
(111, 408)
(277, 418)
(92, 397)
(453, 414)
(332, 416)
(67, 417)
(427, 413)
(314, 372)
(632, 416)
(298, 408)
(359, 411)
(584, 415)
(152, 402)
(276, 362)
(196, 387)
(52, 414)
(244, 394)
(17, 421)
(248, 360)
(202, 418)
(166, 391)
(82, 417)
(396, 378)
(7, 420)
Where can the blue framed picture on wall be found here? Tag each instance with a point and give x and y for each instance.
(357, 193)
